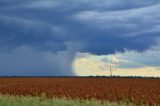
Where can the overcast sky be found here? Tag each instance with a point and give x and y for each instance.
(55, 37)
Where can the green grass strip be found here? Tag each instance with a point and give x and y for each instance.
(7, 100)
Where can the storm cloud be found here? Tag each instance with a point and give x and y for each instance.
(37, 35)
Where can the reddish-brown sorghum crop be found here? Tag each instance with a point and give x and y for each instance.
(136, 90)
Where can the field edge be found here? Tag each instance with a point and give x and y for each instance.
(11, 100)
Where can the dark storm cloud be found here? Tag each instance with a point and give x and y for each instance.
(56, 26)
(78, 5)
(18, 32)
(129, 29)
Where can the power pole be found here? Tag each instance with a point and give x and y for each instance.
(110, 67)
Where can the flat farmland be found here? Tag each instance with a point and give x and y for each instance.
(135, 90)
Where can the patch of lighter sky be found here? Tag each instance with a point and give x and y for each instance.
(93, 65)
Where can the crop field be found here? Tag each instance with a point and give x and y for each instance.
(133, 90)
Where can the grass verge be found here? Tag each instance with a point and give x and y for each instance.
(8, 100)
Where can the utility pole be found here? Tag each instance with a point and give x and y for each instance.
(110, 68)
